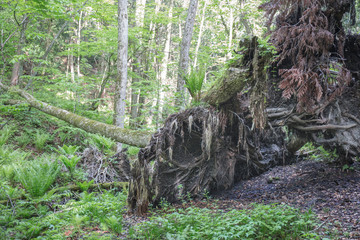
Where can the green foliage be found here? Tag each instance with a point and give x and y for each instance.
(5, 134)
(84, 186)
(194, 83)
(37, 176)
(23, 140)
(7, 191)
(68, 150)
(9, 155)
(114, 223)
(40, 140)
(90, 211)
(318, 153)
(261, 222)
(102, 143)
(71, 135)
(133, 151)
(7, 172)
(68, 157)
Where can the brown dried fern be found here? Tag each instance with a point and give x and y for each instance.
(309, 38)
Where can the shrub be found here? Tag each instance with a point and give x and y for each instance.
(37, 176)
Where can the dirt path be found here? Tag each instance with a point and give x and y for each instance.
(332, 192)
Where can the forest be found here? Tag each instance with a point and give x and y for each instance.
(168, 119)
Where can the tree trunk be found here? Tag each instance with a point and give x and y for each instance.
(18, 66)
(78, 41)
(106, 75)
(137, 67)
(231, 31)
(121, 80)
(184, 52)
(127, 136)
(163, 80)
(200, 33)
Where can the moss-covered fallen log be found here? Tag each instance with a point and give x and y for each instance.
(117, 185)
(127, 136)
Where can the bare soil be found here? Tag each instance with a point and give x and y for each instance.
(331, 191)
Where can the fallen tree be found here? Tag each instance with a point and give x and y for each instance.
(255, 120)
(258, 121)
(127, 136)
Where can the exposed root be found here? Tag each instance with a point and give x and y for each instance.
(201, 150)
(103, 170)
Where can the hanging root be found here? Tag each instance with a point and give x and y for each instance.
(200, 150)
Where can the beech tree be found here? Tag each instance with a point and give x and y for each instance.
(121, 80)
(184, 51)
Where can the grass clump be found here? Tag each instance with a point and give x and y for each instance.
(37, 176)
(260, 222)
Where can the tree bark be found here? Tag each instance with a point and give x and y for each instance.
(184, 52)
(121, 80)
(200, 33)
(18, 66)
(163, 80)
(105, 79)
(127, 136)
(137, 67)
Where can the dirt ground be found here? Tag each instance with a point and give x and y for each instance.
(332, 192)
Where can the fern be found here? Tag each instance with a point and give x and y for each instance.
(37, 176)
(306, 31)
(9, 155)
(5, 134)
(68, 157)
(102, 143)
(40, 140)
(194, 83)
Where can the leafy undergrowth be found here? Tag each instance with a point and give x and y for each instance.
(259, 222)
(87, 215)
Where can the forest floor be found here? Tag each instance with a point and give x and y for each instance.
(332, 192)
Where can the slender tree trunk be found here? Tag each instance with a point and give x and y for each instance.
(200, 33)
(121, 80)
(105, 79)
(163, 80)
(137, 67)
(244, 21)
(231, 31)
(78, 41)
(71, 63)
(47, 51)
(18, 66)
(184, 52)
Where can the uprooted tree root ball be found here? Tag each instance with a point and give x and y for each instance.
(202, 150)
